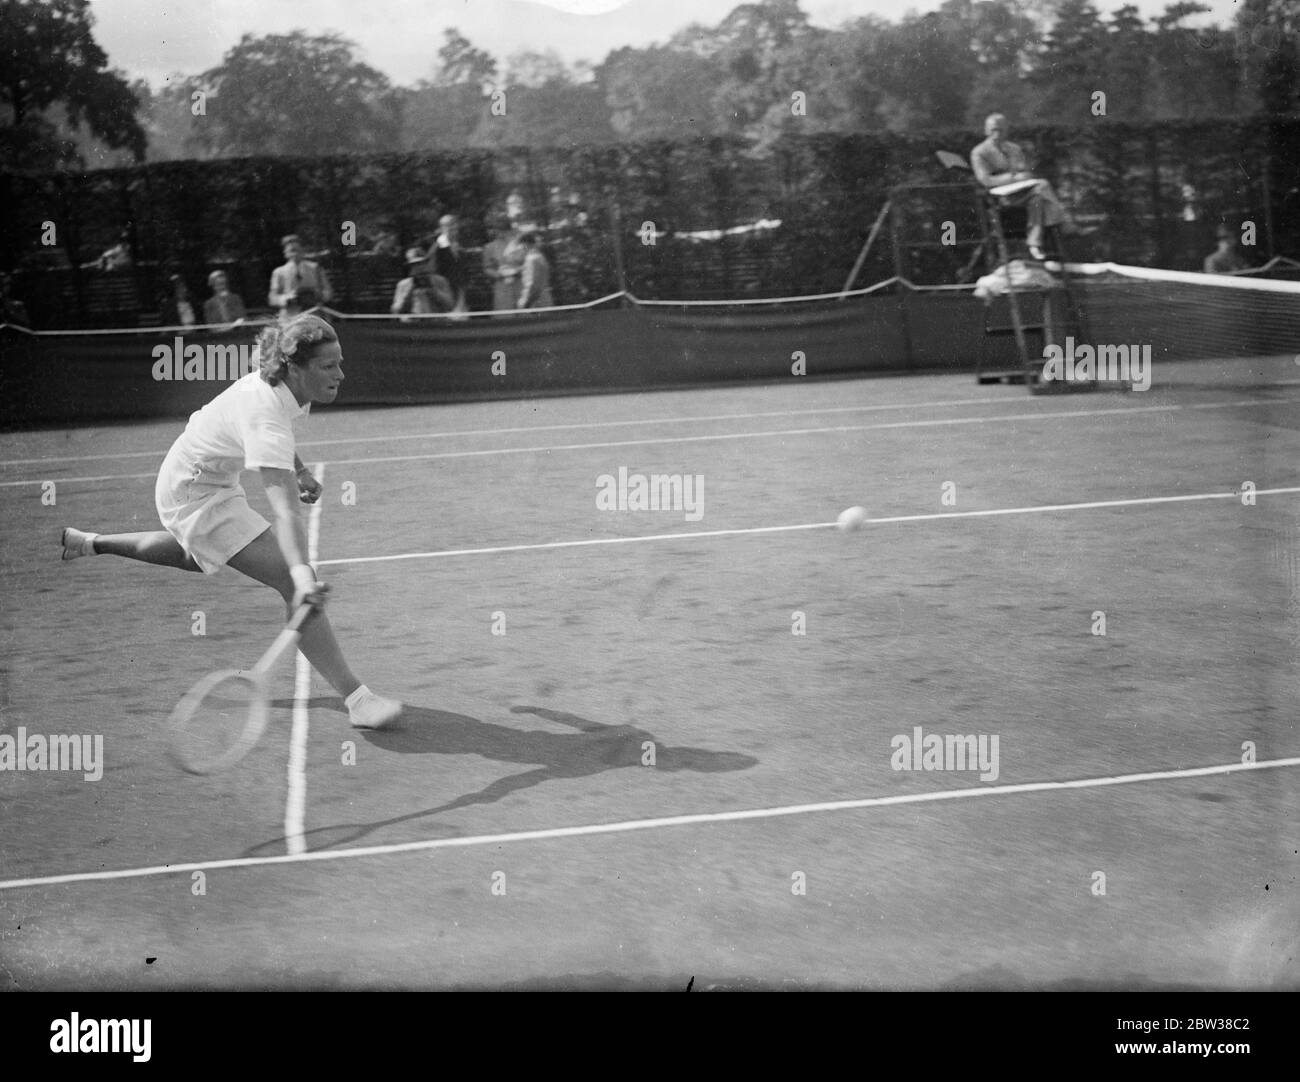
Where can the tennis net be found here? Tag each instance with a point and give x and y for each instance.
(1184, 315)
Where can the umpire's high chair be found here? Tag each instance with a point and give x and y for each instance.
(1047, 315)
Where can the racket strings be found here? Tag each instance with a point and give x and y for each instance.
(216, 725)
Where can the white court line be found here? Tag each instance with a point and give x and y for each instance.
(718, 437)
(627, 826)
(81, 480)
(160, 454)
(547, 448)
(296, 801)
(740, 531)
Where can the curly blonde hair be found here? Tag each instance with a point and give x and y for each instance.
(279, 346)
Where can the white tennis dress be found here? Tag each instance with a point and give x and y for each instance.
(198, 495)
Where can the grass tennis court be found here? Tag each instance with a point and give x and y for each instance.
(482, 866)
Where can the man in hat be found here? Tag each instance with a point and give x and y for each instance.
(1227, 257)
(421, 291)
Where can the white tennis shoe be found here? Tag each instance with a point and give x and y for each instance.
(366, 710)
(77, 543)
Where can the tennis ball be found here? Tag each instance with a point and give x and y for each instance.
(852, 519)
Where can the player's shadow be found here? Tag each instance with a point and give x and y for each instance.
(592, 749)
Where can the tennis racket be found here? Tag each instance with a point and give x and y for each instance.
(222, 717)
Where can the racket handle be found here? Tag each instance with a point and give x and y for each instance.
(285, 641)
(300, 617)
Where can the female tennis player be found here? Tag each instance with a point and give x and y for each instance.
(208, 521)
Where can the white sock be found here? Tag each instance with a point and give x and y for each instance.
(357, 696)
(88, 545)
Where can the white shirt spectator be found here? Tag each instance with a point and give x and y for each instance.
(292, 279)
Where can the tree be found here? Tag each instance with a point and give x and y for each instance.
(659, 93)
(460, 64)
(544, 106)
(167, 117)
(765, 27)
(1070, 67)
(443, 112)
(1267, 36)
(1197, 69)
(534, 69)
(1127, 64)
(295, 94)
(53, 65)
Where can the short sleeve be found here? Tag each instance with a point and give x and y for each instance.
(268, 440)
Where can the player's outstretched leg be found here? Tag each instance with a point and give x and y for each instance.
(154, 547)
(263, 561)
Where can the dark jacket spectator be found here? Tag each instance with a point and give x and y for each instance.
(177, 308)
(449, 259)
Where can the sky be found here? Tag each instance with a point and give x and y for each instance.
(151, 39)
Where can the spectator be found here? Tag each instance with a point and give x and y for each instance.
(12, 310)
(299, 284)
(177, 309)
(1227, 257)
(422, 291)
(503, 263)
(223, 306)
(536, 289)
(449, 260)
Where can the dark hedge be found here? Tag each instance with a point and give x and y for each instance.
(1157, 192)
